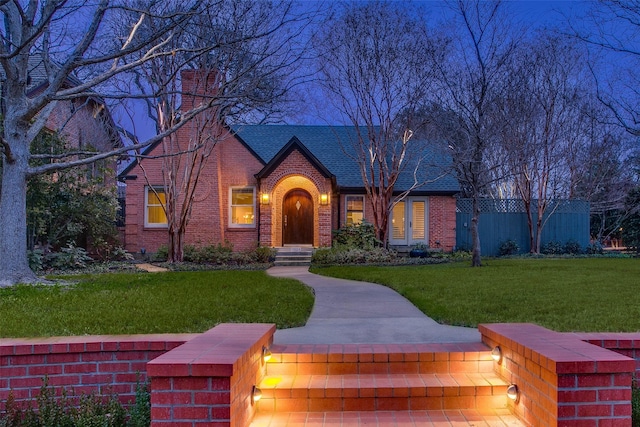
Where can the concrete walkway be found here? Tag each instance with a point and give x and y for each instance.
(348, 312)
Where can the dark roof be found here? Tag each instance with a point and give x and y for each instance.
(327, 144)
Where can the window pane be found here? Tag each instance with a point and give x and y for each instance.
(354, 203)
(354, 218)
(242, 196)
(397, 221)
(155, 199)
(355, 209)
(156, 215)
(418, 220)
(242, 215)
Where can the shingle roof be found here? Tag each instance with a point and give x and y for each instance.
(328, 145)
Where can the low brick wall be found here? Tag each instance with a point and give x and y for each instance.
(88, 364)
(210, 379)
(563, 380)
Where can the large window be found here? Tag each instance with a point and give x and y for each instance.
(409, 219)
(154, 213)
(355, 209)
(242, 207)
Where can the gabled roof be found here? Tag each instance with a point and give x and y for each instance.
(328, 145)
(294, 144)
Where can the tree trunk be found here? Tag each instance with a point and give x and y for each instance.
(476, 260)
(176, 246)
(14, 265)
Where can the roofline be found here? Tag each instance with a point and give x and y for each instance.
(247, 146)
(151, 147)
(294, 143)
(362, 190)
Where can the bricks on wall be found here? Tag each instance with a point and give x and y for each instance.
(210, 379)
(102, 364)
(562, 380)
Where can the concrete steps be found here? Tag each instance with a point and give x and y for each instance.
(294, 256)
(382, 385)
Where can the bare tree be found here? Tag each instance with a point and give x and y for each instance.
(610, 28)
(242, 53)
(471, 82)
(375, 68)
(545, 124)
(73, 40)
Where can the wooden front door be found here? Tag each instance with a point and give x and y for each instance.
(297, 218)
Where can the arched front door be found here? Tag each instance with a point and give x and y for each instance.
(297, 218)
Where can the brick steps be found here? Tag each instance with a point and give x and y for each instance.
(294, 256)
(448, 418)
(386, 385)
(380, 392)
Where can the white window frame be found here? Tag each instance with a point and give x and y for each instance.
(147, 224)
(408, 224)
(346, 207)
(253, 198)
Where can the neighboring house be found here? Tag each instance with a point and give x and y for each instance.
(84, 122)
(277, 185)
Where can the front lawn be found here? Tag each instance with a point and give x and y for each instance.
(581, 294)
(143, 303)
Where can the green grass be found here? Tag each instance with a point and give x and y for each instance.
(140, 303)
(581, 294)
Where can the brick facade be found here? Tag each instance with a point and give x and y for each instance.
(232, 164)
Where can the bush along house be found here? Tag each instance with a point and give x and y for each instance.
(279, 185)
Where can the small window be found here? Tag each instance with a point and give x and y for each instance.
(242, 207)
(155, 201)
(355, 210)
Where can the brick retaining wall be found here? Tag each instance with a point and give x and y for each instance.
(563, 381)
(103, 364)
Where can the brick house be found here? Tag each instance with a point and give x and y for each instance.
(278, 185)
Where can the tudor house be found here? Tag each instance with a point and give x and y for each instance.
(278, 185)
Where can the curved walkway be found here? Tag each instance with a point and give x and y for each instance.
(347, 312)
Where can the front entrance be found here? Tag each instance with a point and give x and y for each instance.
(297, 218)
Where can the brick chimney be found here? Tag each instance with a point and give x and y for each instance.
(197, 87)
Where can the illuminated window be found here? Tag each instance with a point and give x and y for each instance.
(242, 207)
(398, 222)
(155, 215)
(355, 209)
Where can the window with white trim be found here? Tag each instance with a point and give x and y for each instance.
(242, 206)
(355, 209)
(154, 208)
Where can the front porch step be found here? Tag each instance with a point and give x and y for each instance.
(381, 392)
(382, 385)
(293, 256)
(447, 418)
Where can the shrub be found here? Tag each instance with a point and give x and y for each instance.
(161, 255)
(572, 247)
(58, 408)
(69, 258)
(263, 254)
(552, 248)
(36, 259)
(509, 247)
(359, 236)
(594, 248)
(353, 256)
